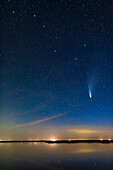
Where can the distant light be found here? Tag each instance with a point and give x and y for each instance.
(0, 139)
(101, 139)
(69, 140)
(109, 139)
(53, 140)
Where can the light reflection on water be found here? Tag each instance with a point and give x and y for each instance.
(56, 156)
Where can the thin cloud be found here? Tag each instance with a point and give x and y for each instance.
(85, 131)
(40, 121)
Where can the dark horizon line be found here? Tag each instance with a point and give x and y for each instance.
(60, 141)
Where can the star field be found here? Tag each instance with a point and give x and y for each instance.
(52, 53)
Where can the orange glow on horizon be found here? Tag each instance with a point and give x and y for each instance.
(53, 139)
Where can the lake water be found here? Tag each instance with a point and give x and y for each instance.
(16, 156)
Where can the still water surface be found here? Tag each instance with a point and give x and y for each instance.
(16, 156)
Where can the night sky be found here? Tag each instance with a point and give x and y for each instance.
(56, 69)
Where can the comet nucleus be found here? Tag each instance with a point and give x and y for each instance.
(90, 94)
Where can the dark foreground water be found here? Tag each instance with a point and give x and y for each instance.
(38, 156)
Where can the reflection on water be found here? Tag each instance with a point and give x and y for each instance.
(56, 156)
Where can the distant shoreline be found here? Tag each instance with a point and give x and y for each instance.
(59, 141)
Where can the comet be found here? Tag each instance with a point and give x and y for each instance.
(90, 94)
